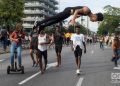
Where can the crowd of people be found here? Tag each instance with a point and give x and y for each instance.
(39, 40)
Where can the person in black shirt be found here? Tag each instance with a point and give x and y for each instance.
(58, 40)
(33, 45)
(4, 38)
(75, 11)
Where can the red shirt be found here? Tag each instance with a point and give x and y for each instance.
(16, 35)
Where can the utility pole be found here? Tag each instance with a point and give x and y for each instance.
(82, 20)
(87, 26)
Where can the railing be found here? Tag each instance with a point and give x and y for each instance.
(54, 1)
(32, 18)
(35, 5)
(34, 11)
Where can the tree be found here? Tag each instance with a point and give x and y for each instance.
(83, 30)
(11, 11)
(111, 20)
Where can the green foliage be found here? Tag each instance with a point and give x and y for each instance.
(71, 28)
(50, 30)
(11, 11)
(83, 30)
(111, 20)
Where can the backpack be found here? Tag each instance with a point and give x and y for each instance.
(3, 33)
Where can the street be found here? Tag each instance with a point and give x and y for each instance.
(96, 69)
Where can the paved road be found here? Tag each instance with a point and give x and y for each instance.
(95, 71)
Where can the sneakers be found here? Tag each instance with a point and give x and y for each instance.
(12, 67)
(78, 71)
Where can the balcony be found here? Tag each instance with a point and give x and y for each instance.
(27, 25)
(47, 1)
(54, 1)
(37, 11)
(50, 7)
(50, 3)
(32, 18)
(35, 4)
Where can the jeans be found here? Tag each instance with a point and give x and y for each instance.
(4, 42)
(101, 45)
(118, 53)
(18, 48)
(117, 56)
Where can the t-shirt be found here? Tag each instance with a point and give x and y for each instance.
(67, 35)
(58, 39)
(4, 33)
(78, 40)
(42, 39)
(34, 37)
(16, 35)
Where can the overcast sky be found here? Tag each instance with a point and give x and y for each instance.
(94, 5)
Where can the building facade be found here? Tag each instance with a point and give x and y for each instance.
(36, 10)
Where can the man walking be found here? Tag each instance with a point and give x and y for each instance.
(43, 41)
(4, 38)
(33, 45)
(77, 44)
(58, 40)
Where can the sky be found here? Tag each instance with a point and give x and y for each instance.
(94, 5)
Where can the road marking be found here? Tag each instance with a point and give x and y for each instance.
(92, 51)
(34, 75)
(2, 60)
(80, 82)
(107, 47)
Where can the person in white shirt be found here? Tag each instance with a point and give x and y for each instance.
(77, 45)
(43, 40)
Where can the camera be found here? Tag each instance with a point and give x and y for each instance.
(19, 37)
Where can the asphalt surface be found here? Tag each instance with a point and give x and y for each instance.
(96, 69)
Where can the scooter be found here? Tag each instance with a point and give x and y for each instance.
(15, 69)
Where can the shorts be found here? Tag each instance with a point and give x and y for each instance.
(58, 48)
(33, 46)
(78, 52)
(42, 53)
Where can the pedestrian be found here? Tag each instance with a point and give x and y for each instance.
(43, 41)
(67, 36)
(51, 37)
(58, 41)
(116, 50)
(4, 38)
(101, 42)
(77, 45)
(33, 45)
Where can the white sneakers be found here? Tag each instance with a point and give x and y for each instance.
(78, 71)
